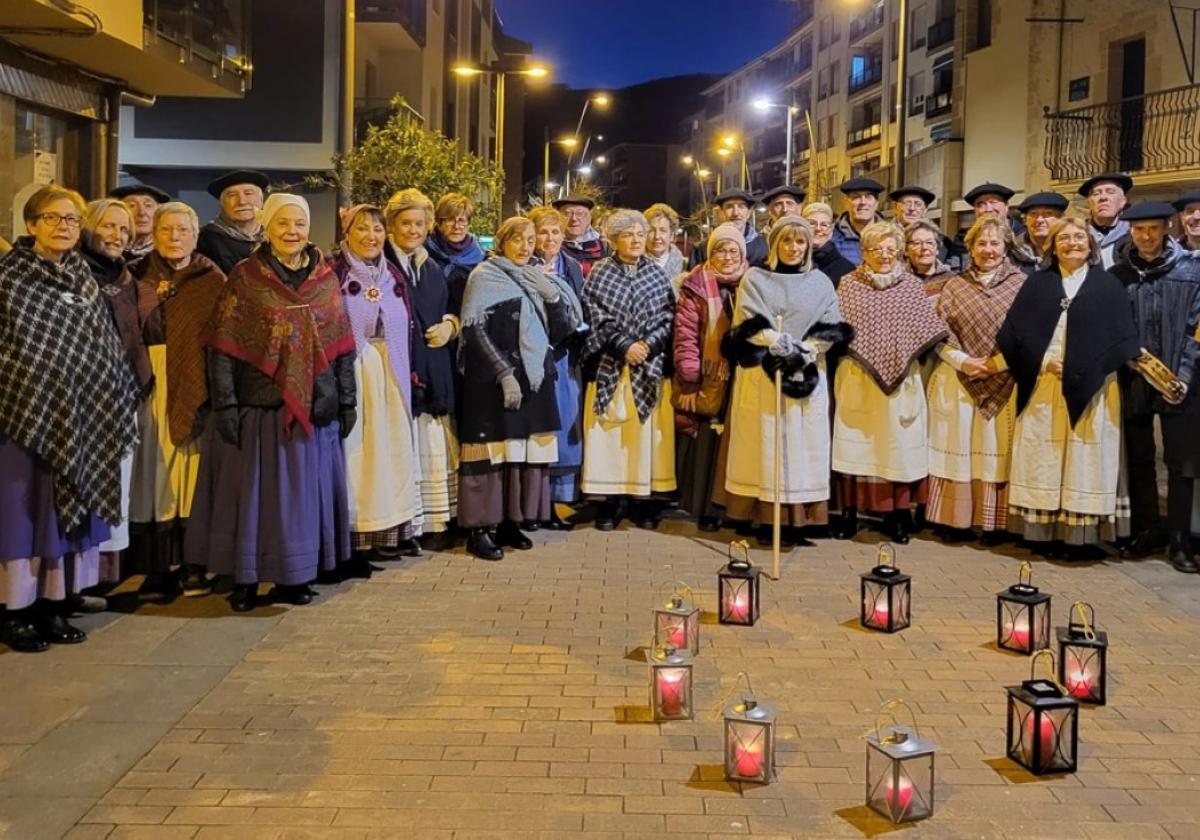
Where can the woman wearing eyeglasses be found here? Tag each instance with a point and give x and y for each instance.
(826, 256)
(67, 401)
(1068, 332)
(921, 242)
(452, 246)
(880, 428)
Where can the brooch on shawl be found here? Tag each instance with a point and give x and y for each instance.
(165, 289)
(374, 294)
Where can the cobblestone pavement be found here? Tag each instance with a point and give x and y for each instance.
(451, 698)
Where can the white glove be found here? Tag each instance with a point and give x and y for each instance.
(783, 345)
(512, 391)
(439, 334)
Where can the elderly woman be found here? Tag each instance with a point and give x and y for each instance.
(921, 242)
(972, 397)
(786, 320)
(629, 444)
(271, 495)
(107, 232)
(513, 314)
(1068, 332)
(549, 228)
(409, 215)
(67, 400)
(382, 471)
(699, 389)
(660, 242)
(177, 291)
(1039, 212)
(826, 257)
(880, 425)
(452, 246)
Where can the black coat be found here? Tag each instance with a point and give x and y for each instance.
(831, 262)
(222, 248)
(433, 368)
(1101, 336)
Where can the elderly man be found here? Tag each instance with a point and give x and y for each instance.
(142, 201)
(1105, 194)
(236, 231)
(863, 197)
(736, 207)
(910, 204)
(1039, 211)
(1163, 284)
(581, 240)
(784, 201)
(1188, 207)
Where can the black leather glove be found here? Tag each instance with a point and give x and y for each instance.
(347, 417)
(229, 425)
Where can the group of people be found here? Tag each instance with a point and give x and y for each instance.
(193, 403)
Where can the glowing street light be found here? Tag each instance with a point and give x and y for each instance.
(566, 143)
(534, 71)
(600, 100)
(763, 104)
(600, 160)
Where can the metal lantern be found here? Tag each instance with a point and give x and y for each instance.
(899, 769)
(737, 588)
(749, 739)
(1023, 615)
(671, 685)
(886, 594)
(1043, 723)
(677, 622)
(1083, 656)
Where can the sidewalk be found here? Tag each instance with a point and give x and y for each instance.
(452, 698)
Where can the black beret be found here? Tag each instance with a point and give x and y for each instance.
(1148, 210)
(989, 189)
(859, 184)
(1119, 178)
(795, 192)
(734, 194)
(1181, 203)
(237, 176)
(911, 189)
(582, 201)
(1053, 200)
(127, 190)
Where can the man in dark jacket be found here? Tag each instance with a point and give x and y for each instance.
(143, 201)
(1105, 194)
(1039, 211)
(1163, 284)
(235, 232)
(910, 204)
(1188, 207)
(581, 241)
(863, 195)
(736, 207)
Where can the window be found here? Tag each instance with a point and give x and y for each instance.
(918, 28)
(825, 35)
(916, 93)
(837, 69)
(824, 89)
(940, 132)
(983, 24)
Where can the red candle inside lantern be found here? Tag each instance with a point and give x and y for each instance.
(740, 608)
(1079, 684)
(678, 637)
(670, 689)
(880, 615)
(748, 760)
(1045, 736)
(1020, 631)
(899, 796)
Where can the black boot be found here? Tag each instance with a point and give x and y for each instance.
(21, 632)
(609, 514)
(297, 595)
(764, 535)
(645, 515)
(847, 525)
(896, 524)
(556, 522)
(439, 541)
(480, 544)
(1182, 557)
(358, 566)
(54, 627)
(244, 597)
(708, 524)
(510, 536)
(530, 525)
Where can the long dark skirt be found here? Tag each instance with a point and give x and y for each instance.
(38, 559)
(489, 494)
(696, 470)
(274, 509)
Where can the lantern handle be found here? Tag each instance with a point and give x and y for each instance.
(888, 550)
(749, 695)
(888, 712)
(1025, 575)
(680, 587)
(743, 546)
(1087, 617)
(1053, 667)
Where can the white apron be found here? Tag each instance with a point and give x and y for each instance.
(963, 444)
(877, 435)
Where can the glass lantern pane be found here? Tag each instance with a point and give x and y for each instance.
(899, 789)
(748, 751)
(1060, 722)
(672, 693)
(735, 601)
(875, 607)
(901, 605)
(1082, 672)
(1014, 630)
(1041, 626)
(1020, 731)
(670, 630)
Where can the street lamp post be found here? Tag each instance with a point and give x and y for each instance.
(901, 95)
(567, 142)
(730, 143)
(535, 71)
(601, 100)
(766, 105)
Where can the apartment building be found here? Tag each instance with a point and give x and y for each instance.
(66, 69)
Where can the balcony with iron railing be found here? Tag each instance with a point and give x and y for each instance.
(939, 103)
(862, 136)
(411, 14)
(863, 77)
(940, 34)
(1155, 132)
(866, 23)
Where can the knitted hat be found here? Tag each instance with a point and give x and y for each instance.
(277, 201)
(727, 232)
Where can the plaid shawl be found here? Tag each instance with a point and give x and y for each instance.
(628, 303)
(892, 326)
(974, 313)
(188, 297)
(289, 335)
(67, 392)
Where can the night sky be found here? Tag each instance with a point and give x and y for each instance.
(613, 43)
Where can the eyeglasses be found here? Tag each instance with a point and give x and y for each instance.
(56, 219)
(1072, 238)
(461, 221)
(821, 225)
(727, 252)
(883, 252)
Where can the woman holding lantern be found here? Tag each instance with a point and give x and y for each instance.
(880, 425)
(785, 320)
(972, 397)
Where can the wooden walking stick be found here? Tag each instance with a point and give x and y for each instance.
(775, 525)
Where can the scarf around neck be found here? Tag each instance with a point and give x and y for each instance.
(892, 326)
(375, 293)
(229, 229)
(67, 393)
(671, 262)
(715, 290)
(466, 254)
(290, 335)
